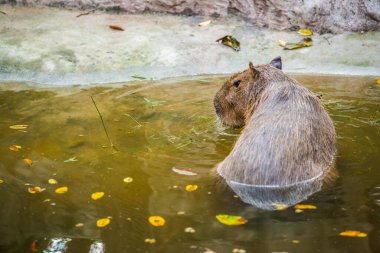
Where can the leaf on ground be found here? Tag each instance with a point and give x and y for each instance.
(18, 127)
(156, 221)
(137, 76)
(61, 190)
(305, 42)
(205, 23)
(101, 223)
(35, 189)
(191, 187)
(305, 207)
(71, 159)
(378, 80)
(52, 181)
(230, 41)
(117, 27)
(15, 147)
(305, 32)
(186, 172)
(28, 161)
(231, 220)
(128, 180)
(97, 195)
(353, 233)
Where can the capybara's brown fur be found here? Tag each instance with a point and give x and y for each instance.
(288, 137)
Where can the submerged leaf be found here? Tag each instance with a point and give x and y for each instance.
(52, 181)
(352, 233)
(305, 32)
(19, 127)
(156, 221)
(280, 207)
(304, 207)
(205, 23)
(306, 42)
(1, 181)
(61, 190)
(191, 187)
(97, 195)
(231, 220)
(34, 246)
(152, 103)
(79, 225)
(128, 180)
(150, 240)
(28, 161)
(35, 189)
(230, 41)
(15, 147)
(101, 223)
(186, 172)
(71, 159)
(117, 27)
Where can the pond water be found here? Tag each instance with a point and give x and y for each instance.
(155, 126)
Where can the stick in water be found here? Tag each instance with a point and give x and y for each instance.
(104, 126)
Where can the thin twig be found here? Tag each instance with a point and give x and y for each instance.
(2, 12)
(104, 126)
(86, 13)
(327, 40)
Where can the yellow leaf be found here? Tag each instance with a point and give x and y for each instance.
(97, 195)
(52, 181)
(15, 148)
(231, 220)
(35, 189)
(156, 221)
(280, 207)
(18, 127)
(378, 80)
(305, 42)
(101, 223)
(304, 207)
(305, 32)
(128, 180)
(296, 241)
(205, 23)
(150, 240)
(352, 233)
(61, 190)
(28, 161)
(191, 187)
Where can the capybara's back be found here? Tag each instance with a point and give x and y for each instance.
(287, 147)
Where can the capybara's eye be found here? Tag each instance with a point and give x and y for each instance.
(236, 83)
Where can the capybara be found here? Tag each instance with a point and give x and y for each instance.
(287, 147)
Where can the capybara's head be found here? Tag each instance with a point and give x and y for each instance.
(236, 99)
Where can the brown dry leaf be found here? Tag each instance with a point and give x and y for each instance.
(304, 207)
(61, 190)
(353, 233)
(156, 221)
(18, 127)
(205, 23)
(97, 195)
(34, 246)
(15, 147)
(117, 27)
(35, 189)
(101, 223)
(28, 161)
(191, 187)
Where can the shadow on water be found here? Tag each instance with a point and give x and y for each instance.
(157, 126)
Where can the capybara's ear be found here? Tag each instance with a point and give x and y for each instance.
(252, 70)
(276, 62)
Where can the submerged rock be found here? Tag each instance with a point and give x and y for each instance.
(322, 15)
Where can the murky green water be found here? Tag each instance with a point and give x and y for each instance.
(179, 131)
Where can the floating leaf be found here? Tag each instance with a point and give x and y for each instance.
(352, 233)
(305, 32)
(150, 240)
(186, 172)
(61, 190)
(378, 80)
(52, 181)
(304, 207)
(15, 148)
(205, 23)
(28, 161)
(101, 223)
(97, 195)
(34, 246)
(71, 159)
(230, 41)
(191, 187)
(231, 220)
(156, 221)
(137, 76)
(128, 180)
(19, 127)
(117, 27)
(35, 189)
(280, 207)
(305, 42)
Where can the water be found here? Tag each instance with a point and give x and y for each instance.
(175, 126)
